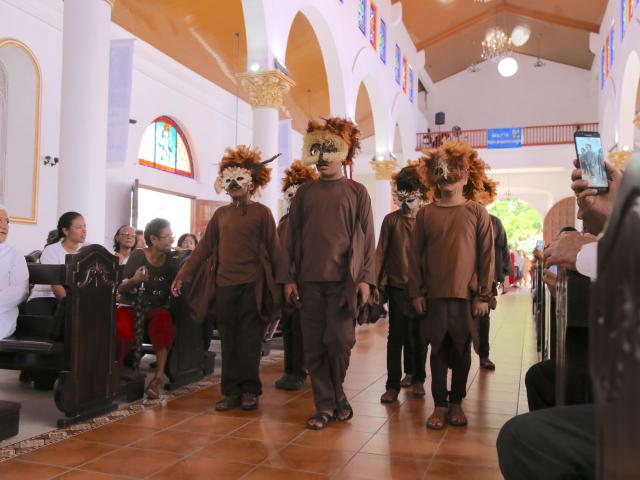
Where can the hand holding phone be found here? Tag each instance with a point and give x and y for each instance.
(591, 159)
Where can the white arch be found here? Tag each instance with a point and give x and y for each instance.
(402, 115)
(608, 127)
(255, 27)
(627, 101)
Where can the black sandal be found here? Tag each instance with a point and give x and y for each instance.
(343, 406)
(322, 419)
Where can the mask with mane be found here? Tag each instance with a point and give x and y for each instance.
(335, 140)
(450, 164)
(241, 167)
(294, 176)
(408, 190)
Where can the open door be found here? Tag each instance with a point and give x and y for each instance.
(204, 210)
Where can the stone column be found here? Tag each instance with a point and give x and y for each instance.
(266, 91)
(382, 205)
(83, 122)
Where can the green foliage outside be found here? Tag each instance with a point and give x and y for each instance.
(521, 221)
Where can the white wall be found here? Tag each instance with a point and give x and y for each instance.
(553, 94)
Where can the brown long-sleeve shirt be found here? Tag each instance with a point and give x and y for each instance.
(321, 244)
(452, 253)
(393, 251)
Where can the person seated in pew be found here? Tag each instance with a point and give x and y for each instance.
(124, 242)
(72, 232)
(149, 274)
(559, 442)
(187, 241)
(14, 279)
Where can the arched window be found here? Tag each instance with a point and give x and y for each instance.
(165, 147)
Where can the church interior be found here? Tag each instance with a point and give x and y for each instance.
(134, 132)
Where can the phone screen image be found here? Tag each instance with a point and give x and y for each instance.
(591, 158)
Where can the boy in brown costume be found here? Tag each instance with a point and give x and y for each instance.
(392, 264)
(234, 262)
(328, 263)
(294, 371)
(451, 271)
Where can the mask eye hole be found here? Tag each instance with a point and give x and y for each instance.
(315, 149)
(239, 179)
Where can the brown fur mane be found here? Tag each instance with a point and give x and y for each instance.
(343, 128)
(298, 173)
(249, 158)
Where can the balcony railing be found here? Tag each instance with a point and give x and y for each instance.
(531, 136)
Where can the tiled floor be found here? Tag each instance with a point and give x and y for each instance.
(186, 439)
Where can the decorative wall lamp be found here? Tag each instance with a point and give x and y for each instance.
(51, 161)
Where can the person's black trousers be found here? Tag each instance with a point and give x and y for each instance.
(483, 336)
(447, 357)
(241, 334)
(540, 381)
(551, 444)
(292, 343)
(404, 338)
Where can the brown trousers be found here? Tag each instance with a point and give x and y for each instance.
(329, 334)
(241, 334)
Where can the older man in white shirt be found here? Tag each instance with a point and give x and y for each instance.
(14, 279)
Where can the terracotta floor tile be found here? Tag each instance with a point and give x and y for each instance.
(270, 473)
(310, 459)
(191, 404)
(269, 431)
(242, 450)
(337, 439)
(18, 470)
(455, 471)
(211, 424)
(484, 436)
(175, 441)
(505, 408)
(132, 462)
(159, 418)
(381, 467)
(487, 420)
(117, 434)
(375, 410)
(86, 475)
(203, 468)
(360, 423)
(467, 453)
(401, 446)
(68, 453)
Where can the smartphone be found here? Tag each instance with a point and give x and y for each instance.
(591, 159)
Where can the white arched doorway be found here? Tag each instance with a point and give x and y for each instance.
(628, 97)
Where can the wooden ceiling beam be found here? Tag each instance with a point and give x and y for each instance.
(549, 18)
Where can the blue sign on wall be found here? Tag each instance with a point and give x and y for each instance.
(504, 138)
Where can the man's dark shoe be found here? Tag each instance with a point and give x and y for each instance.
(290, 382)
(390, 396)
(249, 402)
(487, 364)
(417, 390)
(228, 403)
(407, 381)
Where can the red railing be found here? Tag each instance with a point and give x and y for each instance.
(531, 136)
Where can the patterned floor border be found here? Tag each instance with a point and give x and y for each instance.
(54, 436)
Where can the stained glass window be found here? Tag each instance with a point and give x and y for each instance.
(165, 147)
(606, 58)
(362, 16)
(612, 49)
(405, 74)
(397, 65)
(382, 41)
(626, 15)
(410, 84)
(373, 25)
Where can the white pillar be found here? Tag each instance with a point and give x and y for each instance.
(266, 91)
(83, 122)
(382, 205)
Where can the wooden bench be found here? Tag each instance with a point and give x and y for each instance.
(83, 362)
(615, 336)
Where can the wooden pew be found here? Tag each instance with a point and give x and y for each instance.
(573, 385)
(83, 362)
(615, 338)
(540, 310)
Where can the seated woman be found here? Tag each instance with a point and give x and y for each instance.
(14, 279)
(154, 270)
(187, 241)
(124, 242)
(72, 232)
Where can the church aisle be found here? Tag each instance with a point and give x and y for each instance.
(186, 439)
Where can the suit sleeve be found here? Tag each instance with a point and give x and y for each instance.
(417, 282)
(202, 252)
(383, 243)
(486, 255)
(366, 219)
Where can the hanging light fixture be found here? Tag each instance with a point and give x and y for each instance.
(508, 67)
(496, 45)
(520, 35)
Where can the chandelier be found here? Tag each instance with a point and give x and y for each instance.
(496, 44)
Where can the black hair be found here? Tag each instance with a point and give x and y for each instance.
(116, 242)
(186, 235)
(64, 222)
(568, 229)
(154, 227)
(139, 232)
